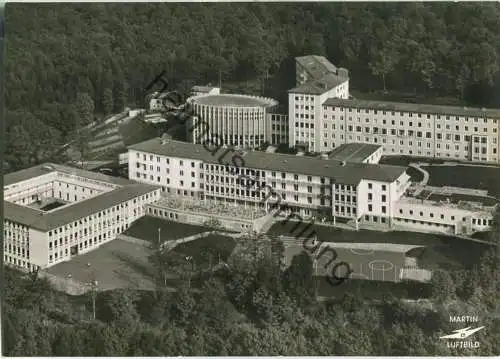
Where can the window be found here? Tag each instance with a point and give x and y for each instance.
(370, 208)
(370, 186)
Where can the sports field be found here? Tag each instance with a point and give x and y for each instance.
(438, 251)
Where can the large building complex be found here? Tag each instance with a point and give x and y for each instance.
(412, 129)
(307, 186)
(346, 186)
(54, 212)
(322, 116)
(235, 120)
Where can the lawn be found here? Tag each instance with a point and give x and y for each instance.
(486, 178)
(136, 130)
(416, 175)
(219, 246)
(146, 228)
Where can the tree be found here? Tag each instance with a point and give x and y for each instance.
(466, 282)
(108, 101)
(298, 278)
(489, 270)
(213, 223)
(443, 287)
(85, 108)
(81, 144)
(384, 62)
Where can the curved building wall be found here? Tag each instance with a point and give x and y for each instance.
(222, 122)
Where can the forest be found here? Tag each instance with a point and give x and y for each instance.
(252, 306)
(68, 64)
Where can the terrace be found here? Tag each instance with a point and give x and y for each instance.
(463, 202)
(210, 207)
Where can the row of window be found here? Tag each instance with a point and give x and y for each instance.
(304, 107)
(401, 123)
(17, 250)
(383, 208)
(98, 215)
(410, 114)
(479, 221)
(303, 116)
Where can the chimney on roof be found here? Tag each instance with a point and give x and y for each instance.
(343, 163)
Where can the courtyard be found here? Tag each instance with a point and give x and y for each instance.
(114, 265)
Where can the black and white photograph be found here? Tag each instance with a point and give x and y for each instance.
(250, 179)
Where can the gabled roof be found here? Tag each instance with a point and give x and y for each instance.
(341, 172)
(316, 66)
(46, 221)
(413, 107)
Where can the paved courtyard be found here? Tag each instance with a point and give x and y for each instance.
(117, 264)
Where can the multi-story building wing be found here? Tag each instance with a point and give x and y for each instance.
(413, 129)
(308, 186)
(277, 128)
(312, 67)
(316, 82)
(54, 212)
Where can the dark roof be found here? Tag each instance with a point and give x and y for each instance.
(321, 85)
(316, 66)
(234, 101)
(203, 88)
(413, 107)
(46, 221)
(47, 168)
(353, 152)
(347, 173)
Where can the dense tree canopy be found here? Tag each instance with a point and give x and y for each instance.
(253, 307)
(67, 64)
(70, 62)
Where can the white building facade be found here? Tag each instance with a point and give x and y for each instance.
(234, 120)
(303, 185)
(413, 130)
(305, 110)
(92, 210)
(309, 187)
